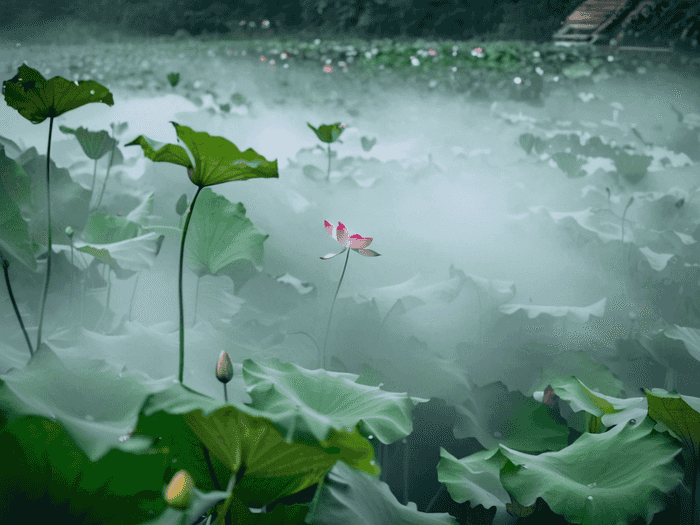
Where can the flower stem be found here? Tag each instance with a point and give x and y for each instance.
(330, 317)
(109, 166)
(211, 467)
(72, 272)
(109, 290)
(318, 348)
(48, 254)
(181, 369)
(328, 176)
(5, 266)
(94, 176)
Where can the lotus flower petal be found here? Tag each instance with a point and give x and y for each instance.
(331, 255)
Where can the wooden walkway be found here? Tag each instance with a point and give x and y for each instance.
(585, 24)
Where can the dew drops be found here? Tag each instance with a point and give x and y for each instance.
(88, 417)
(92, 91)
(592, 485)
(632, 421)
(371, 436)
(524, 466)
(518, 80)
(404, 440)
(53, 416)
(371, 462)
(497, 434)
(590, 498)
(174, 460)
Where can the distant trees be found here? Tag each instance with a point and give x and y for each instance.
(664, 20)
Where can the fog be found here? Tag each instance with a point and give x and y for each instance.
(462, 216)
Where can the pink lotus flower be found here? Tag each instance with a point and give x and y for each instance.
(355, 242)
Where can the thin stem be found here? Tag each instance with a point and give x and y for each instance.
(109, 166)
(5, 266)
(622, 240)
(432, 501)
(210, 467)
(48, 254)
(328, 176)
(181, 369)
(318, 348)
(72, 271)
(133, 295)
(94, 176)
(330, 317)
(109, 290)
(196, 299)
(406, 459)
(225, 393)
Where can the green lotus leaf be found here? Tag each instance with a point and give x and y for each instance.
(220, 235)
(216, 159)
(14, 193)
(328, 133)
(95, 144)
(37, 99)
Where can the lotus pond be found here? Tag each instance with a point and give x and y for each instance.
(305, 280)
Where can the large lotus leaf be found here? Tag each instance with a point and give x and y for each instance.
(475, 478)
(679, 414)
(274, 467)
(495, 415)
(351, 496)
(45, 469)
(577, 314)
(606, 229)
(142, 213)
(95, 144)
(14, 193)
(162, 152)
(106, 229)
(216, 160)
(633, 470)
(276, 385)
(69, 202)
(13, 150)
(220, 234)
(81, 395)
(125, 257)
(37, 99)
(237, 435)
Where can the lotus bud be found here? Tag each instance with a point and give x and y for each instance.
(179, 492)
(224, 368)
(181, 206)
(69, 231)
